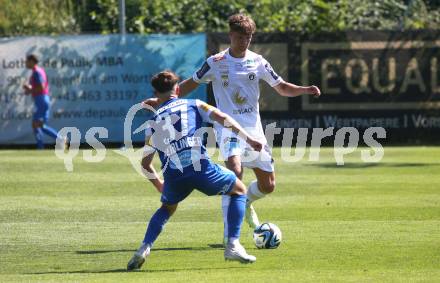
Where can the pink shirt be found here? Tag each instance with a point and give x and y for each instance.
(39, 77)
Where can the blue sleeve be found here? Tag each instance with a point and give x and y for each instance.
(38, 78)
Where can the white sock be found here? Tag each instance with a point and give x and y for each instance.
(233, 241)
(226, 199)
(253, 192)
(144, 249)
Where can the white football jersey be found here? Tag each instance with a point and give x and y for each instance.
(235, 83)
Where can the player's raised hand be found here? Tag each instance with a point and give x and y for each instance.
(314, 90)
(153, 102)
(256, 145)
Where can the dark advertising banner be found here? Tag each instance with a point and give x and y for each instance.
(367, 79)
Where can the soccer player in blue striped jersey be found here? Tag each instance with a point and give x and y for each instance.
(176, 133)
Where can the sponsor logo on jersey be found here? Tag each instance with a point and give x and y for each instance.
(171, 105)
(203, 70)
(230, 143)
(219, 57)
(230, 139)
(239, 67)
(251, 76)
(225, 79)
(243, 110)
(271, 71)
(250, 63)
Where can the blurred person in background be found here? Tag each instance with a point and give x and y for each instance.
(38, 87)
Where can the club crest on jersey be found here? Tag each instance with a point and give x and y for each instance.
(239, 100)
(251, 76)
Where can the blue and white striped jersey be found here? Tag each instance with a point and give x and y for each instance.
(176, 132)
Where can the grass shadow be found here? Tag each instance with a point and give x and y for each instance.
(209, 247)
(123, 270)
(357, 165)
(216, 246)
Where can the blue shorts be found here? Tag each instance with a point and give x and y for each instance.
(212, 180)
(42, 106)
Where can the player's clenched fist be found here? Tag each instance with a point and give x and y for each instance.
(256, 145)
(314, 90)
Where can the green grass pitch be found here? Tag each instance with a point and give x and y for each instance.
(360, 222)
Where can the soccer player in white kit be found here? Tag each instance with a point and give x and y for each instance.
(235, 74)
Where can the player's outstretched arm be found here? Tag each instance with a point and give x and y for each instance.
(151, 174)
(290, 90)
(185, 87)
(228, 122)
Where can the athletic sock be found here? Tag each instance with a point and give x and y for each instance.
(50, 132)
(157, 222)
(233, 241)
(236, 210)
(38, 133)
(254, 193)
(226, 199)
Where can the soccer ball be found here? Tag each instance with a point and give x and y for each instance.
(267, 236)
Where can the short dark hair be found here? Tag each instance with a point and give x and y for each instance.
(164, 81)
(242, 24)
(32, 57)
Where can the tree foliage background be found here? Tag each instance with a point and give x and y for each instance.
(22, 17)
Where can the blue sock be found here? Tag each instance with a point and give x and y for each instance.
(157, 221)
(38, 133)
(50, 131)
(236, 210)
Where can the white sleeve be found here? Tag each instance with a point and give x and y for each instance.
(205, 73)
(268, 74)
(205, 110)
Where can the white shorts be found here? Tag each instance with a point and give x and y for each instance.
(233, 146)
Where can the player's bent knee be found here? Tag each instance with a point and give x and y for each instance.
(171, 208)
(268, 187)
(145, 163)
(35, 124)
(239, 188)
